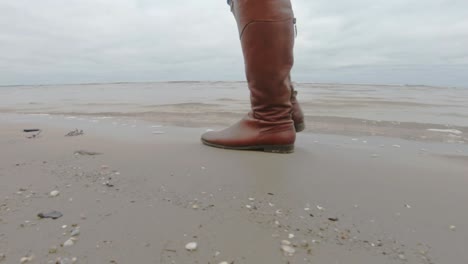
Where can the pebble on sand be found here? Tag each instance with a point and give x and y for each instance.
(453, 228)
(54, 193)
(53, 215)
(192, 246)
(53, 250)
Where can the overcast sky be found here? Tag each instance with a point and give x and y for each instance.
(345, 41)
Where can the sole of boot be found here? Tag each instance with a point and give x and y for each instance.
(299, 127)
(282, 149)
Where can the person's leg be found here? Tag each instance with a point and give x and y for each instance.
(266, 29)
(296, 112)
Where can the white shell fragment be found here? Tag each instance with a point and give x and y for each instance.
(288, 250)
(224, 262)
(453, 228)
(54, 193)
(26, 259)
(68, 243)
(320, 208)
(192, 246)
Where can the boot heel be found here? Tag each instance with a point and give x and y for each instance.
(299, 127)
(279, 149)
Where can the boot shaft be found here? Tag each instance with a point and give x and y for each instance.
(266, 29)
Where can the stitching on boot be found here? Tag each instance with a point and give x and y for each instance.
(261, 21)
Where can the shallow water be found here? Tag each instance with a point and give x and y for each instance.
(418, 104)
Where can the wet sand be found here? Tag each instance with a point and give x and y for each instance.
(152, 189)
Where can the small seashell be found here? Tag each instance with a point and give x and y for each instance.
(320, 208)
(192, 246)
(408, 206)
(291, 236)
(453, 228)
(54, 193)
(68, 243)
(251, 199)
(285, 242)
(248, 206)
(224, 262)
(53, 250)
(288, 250)
(75, 232)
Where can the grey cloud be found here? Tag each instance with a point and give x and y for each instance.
(76, 41)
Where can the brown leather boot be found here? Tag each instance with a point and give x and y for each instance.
(266, 29)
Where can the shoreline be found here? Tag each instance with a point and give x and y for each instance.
(332, 125)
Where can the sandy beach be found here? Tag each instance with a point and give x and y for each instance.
(375, 178)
